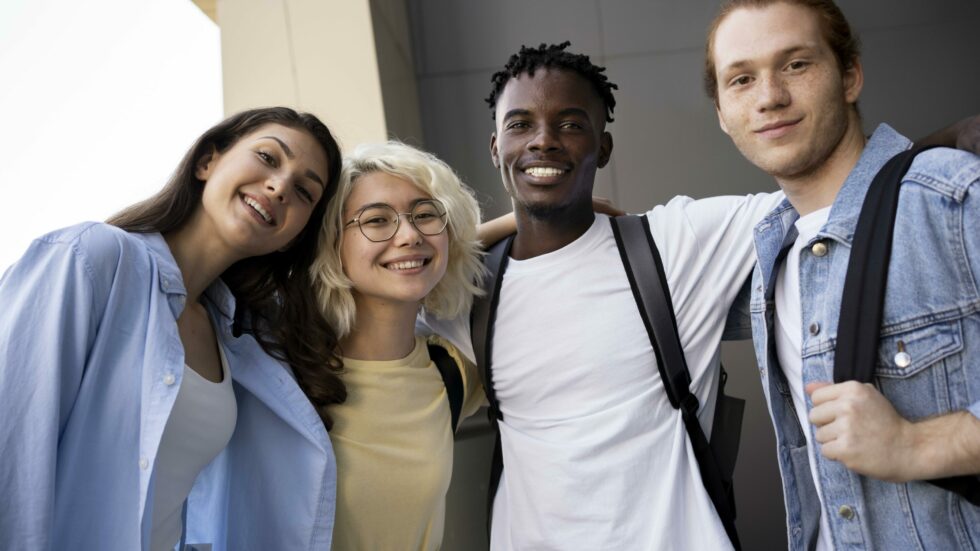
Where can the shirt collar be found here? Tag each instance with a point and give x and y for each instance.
(776, 232)
(884, 144)
(172, 282)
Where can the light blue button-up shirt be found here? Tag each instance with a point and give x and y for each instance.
(90, 365)
(931, 312)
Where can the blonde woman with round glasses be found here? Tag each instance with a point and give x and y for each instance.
(400, 235)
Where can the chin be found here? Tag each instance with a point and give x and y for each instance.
(778, 164)
(542, 210)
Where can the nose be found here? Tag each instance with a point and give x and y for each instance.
(773, 93)
(276, 186)
(544, 139)
(406, 234)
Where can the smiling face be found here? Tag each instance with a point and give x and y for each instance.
(402, 270)
(782, 96)
(549, 141)
(260, 192)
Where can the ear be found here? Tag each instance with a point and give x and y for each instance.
(721, 120)
(605, 149)
(205, 164)
(494, 158)
(853, 81)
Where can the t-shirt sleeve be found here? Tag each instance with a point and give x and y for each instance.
(455, 330)
(707, 246)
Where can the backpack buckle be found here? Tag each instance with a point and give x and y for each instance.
(689, 404)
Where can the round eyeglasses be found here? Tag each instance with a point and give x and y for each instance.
(380, 222)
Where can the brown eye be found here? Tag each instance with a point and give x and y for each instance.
(302, 191)
(266, 158)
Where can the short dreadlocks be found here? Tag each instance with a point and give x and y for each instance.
(551, 55)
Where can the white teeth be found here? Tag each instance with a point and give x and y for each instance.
(258, 208)
(405, 265)
(543, 171)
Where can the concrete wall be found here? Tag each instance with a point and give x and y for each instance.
(920, 74)
(311, 55)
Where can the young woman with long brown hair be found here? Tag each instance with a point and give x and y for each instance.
(165, 374)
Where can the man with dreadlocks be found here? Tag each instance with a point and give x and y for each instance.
(594, 455)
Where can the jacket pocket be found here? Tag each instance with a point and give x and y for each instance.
(904, 354)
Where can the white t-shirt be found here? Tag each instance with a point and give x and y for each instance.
(789, 343)
(594, 455)
(200, 425)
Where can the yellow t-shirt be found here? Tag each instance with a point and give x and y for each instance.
(395, 451)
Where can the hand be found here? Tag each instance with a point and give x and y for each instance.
(605, 206)
(859, 427)
(968, 136)
(963, 134)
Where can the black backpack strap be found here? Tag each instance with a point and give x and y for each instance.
(863, 299)
(482, 318)
(452, 378)
(647, 278)
(484, 313)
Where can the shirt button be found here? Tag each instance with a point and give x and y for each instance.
(144, 464)
(818, 249)
(169, 379)
(814, 328)
(846, 512)
(903, 358)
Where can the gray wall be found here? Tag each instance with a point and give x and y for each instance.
(921, 73)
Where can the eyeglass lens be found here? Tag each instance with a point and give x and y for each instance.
(379, 223)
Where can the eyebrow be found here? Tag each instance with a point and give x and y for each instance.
(564, 112)
(516, 112)
(783, 53)
(380, 204)
(290, 155)
(574, 111)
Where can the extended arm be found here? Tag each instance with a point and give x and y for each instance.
(498, 228)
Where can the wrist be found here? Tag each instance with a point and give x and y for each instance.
(920, 458)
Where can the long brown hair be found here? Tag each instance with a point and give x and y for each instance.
(274, 292)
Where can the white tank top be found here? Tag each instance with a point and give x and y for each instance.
(199, 427)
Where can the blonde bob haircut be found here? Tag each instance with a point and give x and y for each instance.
(453, 295)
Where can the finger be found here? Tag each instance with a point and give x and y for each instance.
(812, 387)
(826, 433)
(821, 391)
(823, 414)
(831, 450)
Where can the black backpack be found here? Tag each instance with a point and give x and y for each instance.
(644, 268)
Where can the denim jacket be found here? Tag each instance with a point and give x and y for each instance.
(932, 307)
(90, 366)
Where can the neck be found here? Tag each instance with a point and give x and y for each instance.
(199, 263)
(382, 330)
(817, 189)
(538, 236)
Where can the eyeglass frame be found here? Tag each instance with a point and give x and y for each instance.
(440, 208)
